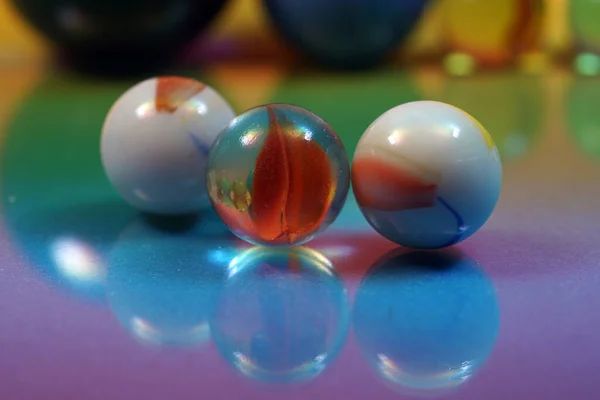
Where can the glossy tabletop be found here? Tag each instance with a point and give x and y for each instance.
(100, 302)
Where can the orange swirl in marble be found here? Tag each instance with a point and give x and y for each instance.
(382, 186)
(293, 184)
(173, 91)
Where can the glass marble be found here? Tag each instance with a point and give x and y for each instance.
(346, 33)
(278, 175)
(581, 114)
(114, 36)
(426, 175)
(584, 16)
(155, 143)
(490, 33)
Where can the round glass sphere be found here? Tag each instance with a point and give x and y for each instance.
(117, 35)
(583, 19)
(278, 175)
(582, 118)
(426, 175)
(155, 143)
(346, 34)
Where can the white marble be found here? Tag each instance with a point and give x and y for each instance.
(157, 160)
(453, 166)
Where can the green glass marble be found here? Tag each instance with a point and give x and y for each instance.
(584, 17)
(583, 119)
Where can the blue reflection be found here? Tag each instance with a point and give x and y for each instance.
(426, 321)
(163, 277)
(283, 314)
(68, 243)
(58, 206)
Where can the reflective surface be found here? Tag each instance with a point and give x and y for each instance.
(426, 321)
(282, 316)
(101, 302)
(164, 277)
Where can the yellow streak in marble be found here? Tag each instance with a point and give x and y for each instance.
(489, 142)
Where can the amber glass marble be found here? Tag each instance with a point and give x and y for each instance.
(278, 175)
(482, 34)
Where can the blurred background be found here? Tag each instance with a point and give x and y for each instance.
(72, 250)
(463, 36)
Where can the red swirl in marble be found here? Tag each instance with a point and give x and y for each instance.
(292, 184)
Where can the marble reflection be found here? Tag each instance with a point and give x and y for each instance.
(282, 315)
(426, 321)
(164, 277)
